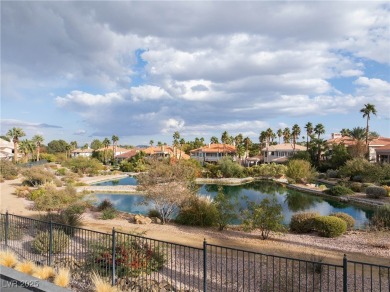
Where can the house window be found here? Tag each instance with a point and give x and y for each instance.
(272, 153)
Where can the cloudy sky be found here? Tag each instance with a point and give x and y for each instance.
(142, 70)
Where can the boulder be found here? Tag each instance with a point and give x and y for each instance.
(156, 220)
(139, 219)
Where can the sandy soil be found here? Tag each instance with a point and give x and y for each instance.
(358, 245)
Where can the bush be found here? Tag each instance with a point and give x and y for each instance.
(84, 165)
(381, 218)
(133, 257)
(197, 211)
(356, 187)
(229, 168)
(61, 171)
(48, 157)
(376, 192)
(14, 232)
(105, 204)
(109, 213)
(300, 170)
(331, 173)
(154, 214)
(36, 176)
(303, 222)
(339, 191)
(347, 218)
(53, 199)
(330, 226)
(385, 182)
(41, 242)
(23, 191)
(71, 217)
(8, 170)
(268, 170)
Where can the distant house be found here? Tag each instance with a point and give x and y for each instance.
(377, 148)
(165, 151)
(281, 152)
(118, 150)
(127, 155)
(213, 152)
(82, 152)
(6, 149)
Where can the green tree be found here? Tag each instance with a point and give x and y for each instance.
(38, 140)
(247, 142)
(296, 131)
(339, 156)
(176, 138)
(357, 134)
(57, 146)
(214, 140)
(226, 209)
(106, 143)
(300, 170)
(280, 134)
(238, 139)
(286, 135)
(266, 216)
(114, 140)
(319, 129)
(367, 111)
(225, 140)
(15, 134)
(345, 132)
(26, 147)
(96, 144)
(309, 132)
(151, 142)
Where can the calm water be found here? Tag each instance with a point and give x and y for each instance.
(130, 180)
(292, 201)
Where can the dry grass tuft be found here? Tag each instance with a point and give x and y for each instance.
(62, 278)
(27, 267)
(44, 273)
(101, 285)
(8, 259)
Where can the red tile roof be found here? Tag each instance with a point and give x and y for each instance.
(216, 148)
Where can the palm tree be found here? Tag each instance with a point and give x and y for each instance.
(286, 135)
(358, 134)
(345, 132)
(296, 131)
(114, 140)
(38, 139)
(151, 142)
(279, 133)
(15, 134)
(247, 142)
(68, 149)
(181, 142)
(176, 137)
(238, 139)
(26, 147)
(319, 129)
(225, 140)
(73, 144)
(106, 143)
(367, 111)
(309, 132)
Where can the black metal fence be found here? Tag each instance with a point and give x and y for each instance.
(136, 263)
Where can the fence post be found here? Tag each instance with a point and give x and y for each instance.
(204, 265)
(113, 256)
(50, 242)
(6, 227)
(345, 273)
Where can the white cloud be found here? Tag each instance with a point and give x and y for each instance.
(148, 92)
(81, 98)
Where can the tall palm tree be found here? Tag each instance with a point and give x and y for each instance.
(286, 135)
(114, 140)
(181, 142)
(225, 140)
(38, 139)
(15, 134)
(73, 144)
(309, 132)
(279, 132)
(151, 142)
(238, 139)
(319, 129)
(176, 137)
(26, 147)
(247, 142)
(106, 143)
(367, 111)
(296, 131)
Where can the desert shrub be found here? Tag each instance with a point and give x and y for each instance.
(330, 226)
(331, 173)
(356, 187)
(61, 171)
(300, 170)
(266, 216)
(226, 209)
(41, 242)
(354, 167)
(108, 213)
(84, 165)
(8, 170)
(347, 218)
(133, 257)
(269, 170)
(126, 166)
(22, 191)
(339, 190)
(49, 157)
(36, 176)
(105, 204)
(381, 218)
(69, 219)
(303, 222)
(375, 192)
(35, 194)
(54, 199)
(14, 232)
(357, 178)
(197, 211)
(154, 213)
(229, 168)
(322, 187)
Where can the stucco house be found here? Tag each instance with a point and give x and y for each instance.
(6, 149)
(212, 153)
(281, 152)
(165, 151)
(82, 152)
(127, 155)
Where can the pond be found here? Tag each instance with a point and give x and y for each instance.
(292, 201)
(130, 180)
